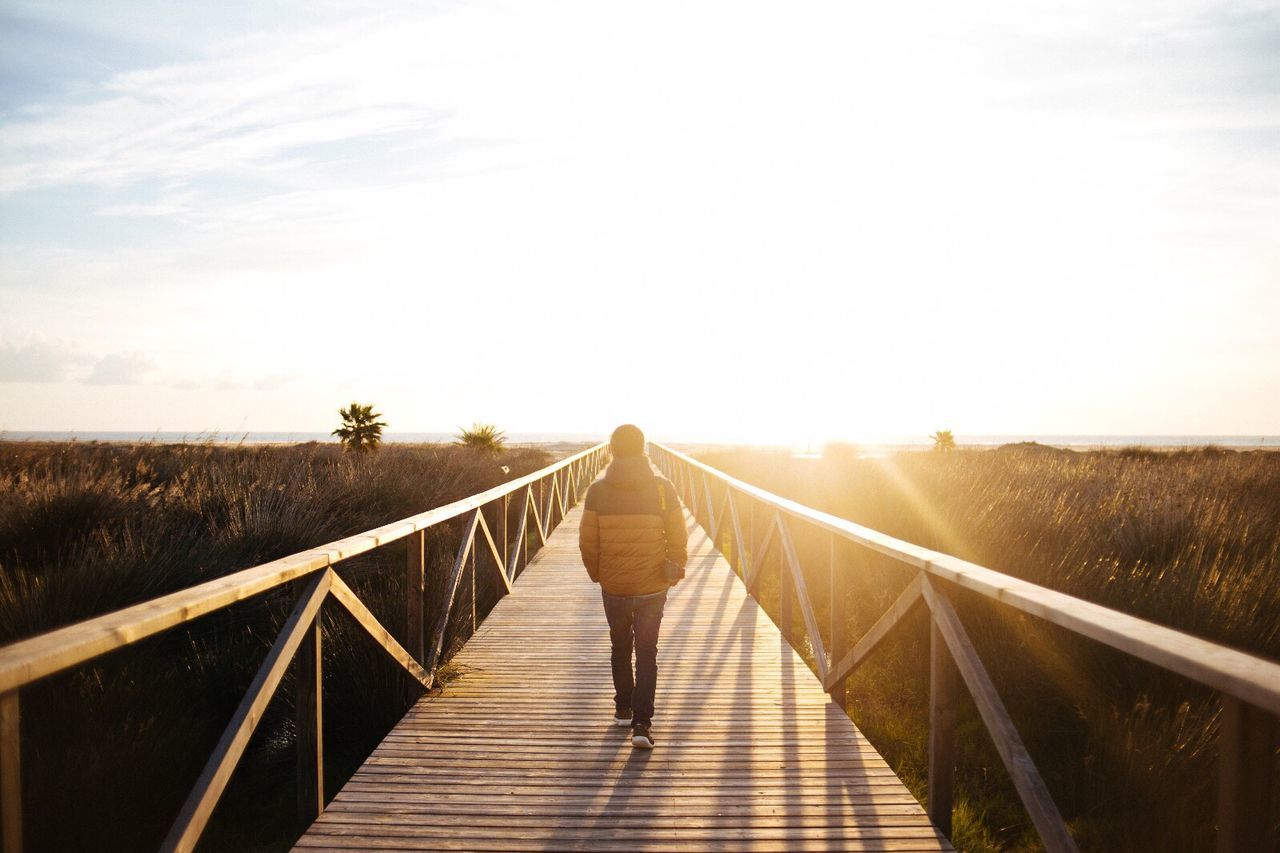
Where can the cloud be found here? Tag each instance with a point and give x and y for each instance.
(121, 369)
(39, 361)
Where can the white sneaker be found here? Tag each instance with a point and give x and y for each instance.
(621, 721)
(640, 737)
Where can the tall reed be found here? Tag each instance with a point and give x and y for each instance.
(1188, 539)
(111, 748)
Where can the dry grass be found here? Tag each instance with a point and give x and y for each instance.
(111, 749)
(1186, 539)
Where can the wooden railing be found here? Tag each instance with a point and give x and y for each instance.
(545, 496)
(1250, 686)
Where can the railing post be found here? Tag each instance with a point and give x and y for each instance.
(784, 590)
(11, 771)
(943, 683)
(839, 628)
(1245, 776)
(506, 511)
(472, 569)
(528, 499)
(416, 584)
(309, 710)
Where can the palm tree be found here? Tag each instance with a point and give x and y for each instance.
(943, 441)
(483, 437)
(361, 430)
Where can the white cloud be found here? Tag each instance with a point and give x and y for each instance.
(130, 368)
(37, 361)
(813, 194)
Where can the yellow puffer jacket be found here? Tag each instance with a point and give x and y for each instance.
(632, 527)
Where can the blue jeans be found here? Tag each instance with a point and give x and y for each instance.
(633, 623)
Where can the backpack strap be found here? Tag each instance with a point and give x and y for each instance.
(662, 496)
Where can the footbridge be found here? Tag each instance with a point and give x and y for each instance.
(509, 744)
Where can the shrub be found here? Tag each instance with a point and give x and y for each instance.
(89, 528)
(1188, 539)
(484, 438)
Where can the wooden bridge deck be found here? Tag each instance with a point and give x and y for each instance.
(519, 752)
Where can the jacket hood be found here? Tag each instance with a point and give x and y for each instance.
(629, 472)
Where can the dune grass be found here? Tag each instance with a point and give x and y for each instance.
(1187, 539)
(110, 749)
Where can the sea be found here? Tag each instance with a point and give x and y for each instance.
(874, 447)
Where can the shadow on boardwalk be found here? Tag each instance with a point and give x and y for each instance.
(520, 752)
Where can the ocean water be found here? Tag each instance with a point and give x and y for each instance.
(1240, 442)
(162, 437)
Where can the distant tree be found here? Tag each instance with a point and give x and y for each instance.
(486, 438)
(361, 430)
(943, 441)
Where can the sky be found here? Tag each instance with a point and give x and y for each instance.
(737, 221)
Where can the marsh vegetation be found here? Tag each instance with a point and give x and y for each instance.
(111, 748)
(1186, 539)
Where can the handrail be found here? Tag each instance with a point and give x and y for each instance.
(559, 487)
(46, 654)
(1250, 684)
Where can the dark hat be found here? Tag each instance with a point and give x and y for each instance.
(627, 440)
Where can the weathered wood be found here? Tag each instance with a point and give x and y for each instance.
(471, 573)
(838, 586)
(906, 601)
(760, 554)
(785, 591)
(309, 717)
(1247, 677)
(416, 584)
(518, 548)
(943, 695)
(375, 630)
(1031, 789)
(543, 532)
(802, 596)
(436, 647)
(1246, 768)
(751, 752)
(217, 771)
(11, 771)
(712, 527)
(495, 553)
(29, 660)
(740, 553)
(506, 539)
(722, 513)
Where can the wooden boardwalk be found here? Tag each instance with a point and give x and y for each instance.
(519, 752)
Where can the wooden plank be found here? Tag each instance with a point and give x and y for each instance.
(376, 632)
(1248, 677)
(309, 717)
(11, 772)
(41, 656)
(906, 601)
(450, 594)
(495, 553)
(1245, 776)
(217, 771)
(537, 519)
(838, 584)
(1026, 778)
(806, 606)
(740, 553)
(29, 660)
(416, 586)
(751, 751)
(785, 590)
(943, 695)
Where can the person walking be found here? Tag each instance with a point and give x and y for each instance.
(635, 545)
